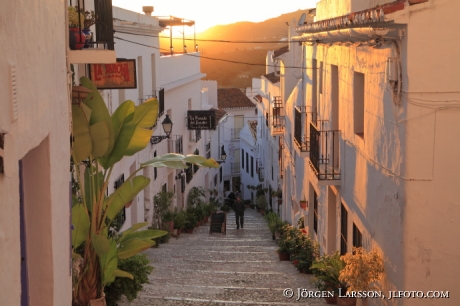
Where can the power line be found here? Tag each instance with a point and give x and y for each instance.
(212, 58)
(214, 40)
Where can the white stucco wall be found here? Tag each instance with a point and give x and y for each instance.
(41, 133)
(398, 181)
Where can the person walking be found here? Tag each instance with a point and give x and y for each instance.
(238, 207)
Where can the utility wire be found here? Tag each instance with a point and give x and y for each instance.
(212, 58)
(215, 40)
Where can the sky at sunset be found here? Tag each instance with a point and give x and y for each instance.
(208, 13)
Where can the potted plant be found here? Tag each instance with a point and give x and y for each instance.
(326, 270)
(303, 203)
(279, 195)
(90, 19)
(261, 204)
(303, 250)
(76, 36)
(94, 154)
(168, 221)
(273, 222)
(225, 208)
(361, 269)
(180, 220)
(161, 205)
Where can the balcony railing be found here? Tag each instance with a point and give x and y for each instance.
(280, 156)
(236, 133)
(175, 144)
(278, 117)
(195, 135)
(302, 120)
(103, 38)
(260, 173)
(325, 153)
(235, 168)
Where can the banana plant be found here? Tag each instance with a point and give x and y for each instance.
(99, 141)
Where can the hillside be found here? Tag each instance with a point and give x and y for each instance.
(270, 34)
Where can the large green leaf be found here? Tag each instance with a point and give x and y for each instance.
(92, 190)
(82, 143)
(178, 161)
(81, 225)
(123, 114)
(133, 135)
(109, 264)
(171, 164)
(125, 194)
(101, 139)
(101, 244)
(133, 247)
(146, 234)
(139, 140)
(133, 228)
(99, 110)
(120, 273)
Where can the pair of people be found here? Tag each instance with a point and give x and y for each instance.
(238, 207)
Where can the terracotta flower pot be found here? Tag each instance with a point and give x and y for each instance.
(303, 204)
(77, 39)
(284, 256)
(331, 300)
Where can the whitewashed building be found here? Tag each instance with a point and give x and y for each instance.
(376, 111)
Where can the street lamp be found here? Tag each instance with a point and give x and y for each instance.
(167, 127)
(223, 155)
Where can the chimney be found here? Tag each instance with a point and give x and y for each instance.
(147, 10)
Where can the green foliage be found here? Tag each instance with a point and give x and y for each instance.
(195, 196)
(161, 205)
(261, 202)
(326, 270)
(273, 220)
(180, 220)
(191, 217)
(225, 208)
(140, 268)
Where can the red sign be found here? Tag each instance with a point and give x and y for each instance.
(119, 75)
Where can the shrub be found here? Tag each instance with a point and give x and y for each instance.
(362, 268)
(139, 267)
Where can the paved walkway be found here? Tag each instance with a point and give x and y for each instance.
(240, 268)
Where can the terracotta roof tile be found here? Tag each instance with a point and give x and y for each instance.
(232, 98)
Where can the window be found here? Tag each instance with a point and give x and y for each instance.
(343, 229)
(252, 166)
(215, 180)
(358, 103)
(247, 162)
(357, 237)
(164, 188)
(242, 158)
(315, 212)
(320, 78)
(226, 185)
(155, 171)
(220, 174)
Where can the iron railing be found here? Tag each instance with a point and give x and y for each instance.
(195, 135)
(235, 168)
(260, 172)
(278, 116)
(175, 144)
(324, 153)
(302, 120)
(236, 133)
(103, 25)
(208, 150)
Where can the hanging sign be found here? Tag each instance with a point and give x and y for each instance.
(120, 75)
(201, 120)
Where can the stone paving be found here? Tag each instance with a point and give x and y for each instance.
(239, 268)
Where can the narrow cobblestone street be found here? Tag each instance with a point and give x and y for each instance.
(239, 268)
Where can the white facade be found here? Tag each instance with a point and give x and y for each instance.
(381, 170)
